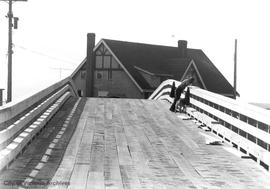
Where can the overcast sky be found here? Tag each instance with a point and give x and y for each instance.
(52, 35)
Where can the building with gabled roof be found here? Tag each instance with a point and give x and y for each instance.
(134, 70)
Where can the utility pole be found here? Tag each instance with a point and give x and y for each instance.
(1, 97)
(235, 68)
(9, 80)
(10, 52)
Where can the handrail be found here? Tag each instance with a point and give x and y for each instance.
(21, 121)
(13, 109)
(245, 126)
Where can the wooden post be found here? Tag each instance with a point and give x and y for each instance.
(235, 68)
(9, 79)
(1, 97)
(10, 44)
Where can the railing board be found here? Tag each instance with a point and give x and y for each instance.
(245, 117)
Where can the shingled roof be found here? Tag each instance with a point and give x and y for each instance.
(159, 59)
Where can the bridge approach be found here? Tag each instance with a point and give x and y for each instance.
(56, 140)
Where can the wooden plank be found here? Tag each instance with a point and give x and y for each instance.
(96, 171)
(96, 168)
(140, 144)
(216, 174)
(139, 159)
(66, 167)
(182, 161)
(80, 173)
(111, 164)
(95, 180)
(166, 168)
(79, 176)
(151, 174)
(127, 168)
(83, 155)
(190, 171)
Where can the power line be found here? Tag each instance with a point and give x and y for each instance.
(60, 70)
(45, 55)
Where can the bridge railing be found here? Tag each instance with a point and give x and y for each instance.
(245, 126)
(21, 121)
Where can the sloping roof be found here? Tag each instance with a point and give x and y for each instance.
(167, 60)
(145, 56)
(81, 66)
(171, 68)
(212, 77)
(175, 67)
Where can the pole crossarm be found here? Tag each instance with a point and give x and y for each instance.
(13, 0)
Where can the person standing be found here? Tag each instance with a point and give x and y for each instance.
(179, 90)
(187, 97)
(172, 93)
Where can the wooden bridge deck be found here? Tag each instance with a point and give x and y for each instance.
(122, 143)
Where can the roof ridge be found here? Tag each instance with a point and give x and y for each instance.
(148, 44)
(139, 43)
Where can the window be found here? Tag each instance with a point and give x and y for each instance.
(107, 61)
(99, 62)
(104, 59)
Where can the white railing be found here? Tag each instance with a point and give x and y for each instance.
(245, 126)
(21, 121)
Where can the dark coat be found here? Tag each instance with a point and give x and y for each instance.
(187, 97)
(178, 93)
(172, 93)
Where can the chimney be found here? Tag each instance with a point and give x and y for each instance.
(182, 46)
(90, 65)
